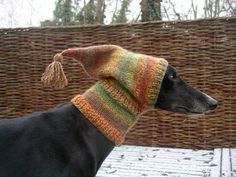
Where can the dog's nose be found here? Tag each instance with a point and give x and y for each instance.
(212, 104)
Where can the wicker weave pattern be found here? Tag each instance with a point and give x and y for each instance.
(203, 51)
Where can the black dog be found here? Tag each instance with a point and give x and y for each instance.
(61, 142)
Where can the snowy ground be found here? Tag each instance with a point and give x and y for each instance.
(139, 161)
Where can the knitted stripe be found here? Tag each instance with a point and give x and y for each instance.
(112, 103)
(95, 102)
(104, 99)
(126, 69)
(158, 71)
(100, 122)
(120, 94)
(108, 69)
(143, 86)
(149, 74)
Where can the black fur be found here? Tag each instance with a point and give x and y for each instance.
(61, 142)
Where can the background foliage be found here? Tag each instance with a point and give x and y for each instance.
(84, 12)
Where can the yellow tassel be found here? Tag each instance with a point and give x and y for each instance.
(54, 75)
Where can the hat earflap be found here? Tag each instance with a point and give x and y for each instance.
(54, 75)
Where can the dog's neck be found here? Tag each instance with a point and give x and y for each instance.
(88, 137)
(110, 107)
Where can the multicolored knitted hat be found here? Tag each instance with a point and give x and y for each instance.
(128, 84)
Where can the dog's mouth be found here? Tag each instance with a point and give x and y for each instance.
(185, 110)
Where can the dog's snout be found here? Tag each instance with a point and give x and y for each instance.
(212, 104)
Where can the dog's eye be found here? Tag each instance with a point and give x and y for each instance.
(173, 76)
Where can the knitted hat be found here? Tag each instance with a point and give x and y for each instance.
(128, 84)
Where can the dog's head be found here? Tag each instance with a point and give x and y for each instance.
(177, 96)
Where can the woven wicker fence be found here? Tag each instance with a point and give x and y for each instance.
(203, 52)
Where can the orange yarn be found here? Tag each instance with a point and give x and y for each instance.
(109, 131)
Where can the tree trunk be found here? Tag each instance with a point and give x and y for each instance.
(144, 10)
(194, 9)
(217, 8)
(151, 10)
(85, 12)
(159, 9)
(155, 7)
(99, 12)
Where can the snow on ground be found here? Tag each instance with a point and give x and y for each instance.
(140, 161)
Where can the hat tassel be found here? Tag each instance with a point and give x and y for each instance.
(54, 75)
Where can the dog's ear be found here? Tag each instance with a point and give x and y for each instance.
(140, 74)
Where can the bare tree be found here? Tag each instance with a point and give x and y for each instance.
(169, 11)
(121, 14)
(166, 12)
(230, 7)
(216, 8)
(211, 8)
(194, 10)
(11, 17)
(115, 11)
(177, 14)
(30, 2)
